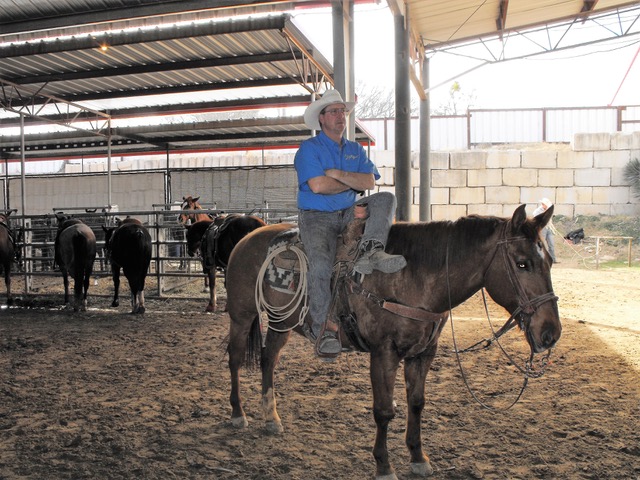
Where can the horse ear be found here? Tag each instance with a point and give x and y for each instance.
(519, 218)
(195, 199)
(184, 199)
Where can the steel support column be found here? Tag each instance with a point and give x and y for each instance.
(403, 119)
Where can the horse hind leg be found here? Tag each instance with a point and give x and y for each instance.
(244, 348)
(270, 355)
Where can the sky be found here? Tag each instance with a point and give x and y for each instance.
(586, 76)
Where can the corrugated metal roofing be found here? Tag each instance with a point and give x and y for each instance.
(188, 58)
(185, 70)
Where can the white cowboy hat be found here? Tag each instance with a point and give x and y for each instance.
(546, 202)
(330, 97)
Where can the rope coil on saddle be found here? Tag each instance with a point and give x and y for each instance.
(278, 314)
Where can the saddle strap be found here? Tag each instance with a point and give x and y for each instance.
(413, 313)
(406, 311)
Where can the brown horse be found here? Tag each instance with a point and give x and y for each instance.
(398, 317)
(75, 252)
(213, 241)
(7, 252)
(190, 203)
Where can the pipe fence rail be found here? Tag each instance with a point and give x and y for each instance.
(171, 266)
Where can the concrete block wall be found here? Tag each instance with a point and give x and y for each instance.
(584, 178)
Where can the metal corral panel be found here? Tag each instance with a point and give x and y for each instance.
(448, 133)
(563, 124)
(631, 119)
(504, 126)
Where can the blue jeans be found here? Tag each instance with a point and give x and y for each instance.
(319, 234)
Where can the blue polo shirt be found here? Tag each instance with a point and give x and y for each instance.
(320, 153)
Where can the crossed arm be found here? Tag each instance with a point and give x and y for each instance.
(337, 181)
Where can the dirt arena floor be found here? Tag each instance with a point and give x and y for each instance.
(108, 395)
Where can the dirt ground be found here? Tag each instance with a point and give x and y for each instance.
(108, 395)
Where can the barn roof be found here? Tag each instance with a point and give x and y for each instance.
(220, 75)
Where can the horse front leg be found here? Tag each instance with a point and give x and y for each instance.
(65, 282)
(81, 289)
(270, 355)
(383, 370)
(115, 275)
(211, 277)
(139, 302)
(7, 282)
(415, 374)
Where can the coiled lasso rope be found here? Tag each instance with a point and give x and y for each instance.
(279, 314)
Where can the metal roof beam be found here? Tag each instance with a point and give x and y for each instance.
(153, 8)
(179, 109)
(157, 68)
(20, 101)
(142, 36)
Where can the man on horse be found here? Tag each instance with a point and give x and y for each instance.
(331, 171)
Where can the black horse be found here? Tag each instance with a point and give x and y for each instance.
(8, 252)
(396, 317)
(128, 246)
(214, 240)
(75, 252)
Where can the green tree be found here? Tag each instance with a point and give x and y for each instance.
(632, 175)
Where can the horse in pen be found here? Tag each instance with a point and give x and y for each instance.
(395, 317)
(214, 240)
(8, 252)
(75, 251)
(128, 247)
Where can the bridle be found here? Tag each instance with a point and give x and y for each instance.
(521, 316)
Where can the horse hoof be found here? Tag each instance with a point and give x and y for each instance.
(240, 422)
(422, 469)
(390, 476)
(274, 428)
(9, 301)
(140, 310)
(115, 304)
(210, 309)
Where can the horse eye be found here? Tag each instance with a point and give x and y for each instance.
(521, 265)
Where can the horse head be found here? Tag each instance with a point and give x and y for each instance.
(191, 203)
(522, 265)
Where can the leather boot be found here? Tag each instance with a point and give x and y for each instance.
(375, 258)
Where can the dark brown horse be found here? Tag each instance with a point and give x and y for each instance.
(7, 252)
(399, 317)
(213, 241)
(128, 247)
(75, 252)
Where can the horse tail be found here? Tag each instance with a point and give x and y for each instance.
(254, 345)
(81, 254)
(253, 351)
